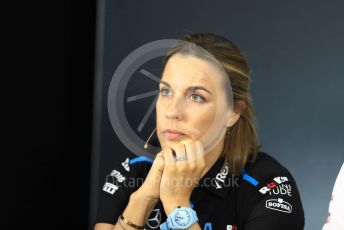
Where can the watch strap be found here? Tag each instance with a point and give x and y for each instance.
(168, 224)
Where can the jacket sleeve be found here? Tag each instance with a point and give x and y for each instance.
(114, 192)
(279, 206)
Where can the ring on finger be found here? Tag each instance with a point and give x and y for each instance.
(181, 158)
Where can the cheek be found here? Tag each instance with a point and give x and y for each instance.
(159, 114)
(205, 118)
(202, 120)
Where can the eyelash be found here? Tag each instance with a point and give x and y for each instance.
(202, 98)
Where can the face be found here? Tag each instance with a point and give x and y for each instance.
(192, 101)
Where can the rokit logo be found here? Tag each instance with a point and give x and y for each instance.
(125, 165)
(282, 189)
(276, 181)
(279, 205)
(221, 176)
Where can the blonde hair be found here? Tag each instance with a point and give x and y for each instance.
(242, 144)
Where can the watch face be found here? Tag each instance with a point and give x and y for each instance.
(182, 218)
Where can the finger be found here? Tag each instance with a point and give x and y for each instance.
(180, 153)
(159, 155)
(190, 150)
(191, 154)
(199, 152)
(168, 157)
(159, 158)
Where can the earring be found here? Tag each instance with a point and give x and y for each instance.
(228, 130)
(146, 144)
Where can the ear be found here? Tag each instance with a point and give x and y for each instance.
(239, 108)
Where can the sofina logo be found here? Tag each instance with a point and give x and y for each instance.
(279, 205)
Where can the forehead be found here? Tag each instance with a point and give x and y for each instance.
(187, 69)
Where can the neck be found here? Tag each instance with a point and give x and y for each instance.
(212, 156)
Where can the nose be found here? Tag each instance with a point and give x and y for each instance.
(175, 109)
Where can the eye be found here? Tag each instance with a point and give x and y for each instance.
(194, 97)
(197, 98)
(164, 91)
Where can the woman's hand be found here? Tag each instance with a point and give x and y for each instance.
(151, 186)
(180, 177)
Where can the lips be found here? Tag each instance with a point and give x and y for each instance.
(172, 133)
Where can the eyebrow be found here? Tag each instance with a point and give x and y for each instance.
(193, 88)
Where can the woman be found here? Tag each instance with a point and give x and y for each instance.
(210, 173)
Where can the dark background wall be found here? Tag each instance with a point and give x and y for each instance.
(47, 94)
(295, 50)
